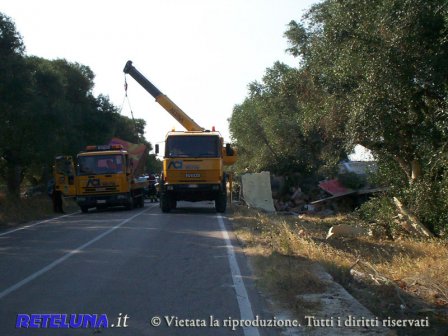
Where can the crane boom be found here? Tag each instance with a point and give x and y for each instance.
(163, 100)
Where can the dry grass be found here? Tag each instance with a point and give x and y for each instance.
(409, 278)
(282, 273)
(16, 211)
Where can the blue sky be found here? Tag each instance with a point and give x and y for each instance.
(200, 53)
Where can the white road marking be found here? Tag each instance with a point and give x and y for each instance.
(38, 223)
(65, 257)
(241, 292)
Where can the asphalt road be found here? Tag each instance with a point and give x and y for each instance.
(133, 269)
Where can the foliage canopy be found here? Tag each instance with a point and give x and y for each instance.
(373, 73)
(47, 108)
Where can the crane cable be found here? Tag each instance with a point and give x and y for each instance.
(126, 99)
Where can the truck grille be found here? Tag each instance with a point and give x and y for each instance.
(95, 190)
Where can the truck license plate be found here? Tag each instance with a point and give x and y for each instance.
(100, 201)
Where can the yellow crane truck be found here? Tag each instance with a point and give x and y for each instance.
(105, 175)
(194, 160)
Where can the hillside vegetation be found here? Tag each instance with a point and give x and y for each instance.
(373, 73)
(47, 108)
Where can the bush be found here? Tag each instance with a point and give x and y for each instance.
(428, 200)
(14, 210)
(380, 210)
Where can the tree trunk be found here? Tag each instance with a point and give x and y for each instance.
(412, 219)
(14, 176)
(413, 169)
(404, 166)
(262, 134)
(416, 170)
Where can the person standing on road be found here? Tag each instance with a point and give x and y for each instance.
(152, 192)
(56, 197)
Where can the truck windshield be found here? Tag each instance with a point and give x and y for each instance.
(100, 164)
(192, 146)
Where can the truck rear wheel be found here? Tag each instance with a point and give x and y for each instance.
(221, 203)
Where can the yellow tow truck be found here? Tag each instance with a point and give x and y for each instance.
(194, 160)
(105, 175)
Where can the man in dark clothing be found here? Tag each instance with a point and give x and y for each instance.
(152, 192)
(56, 197)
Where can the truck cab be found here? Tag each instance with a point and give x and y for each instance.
(192, 169)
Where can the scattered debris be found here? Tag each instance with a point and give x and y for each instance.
(257, 191)
(328, 197)
(335, 188)
(347, 231)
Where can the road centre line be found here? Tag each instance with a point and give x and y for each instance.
(47, 268)
(242, 297)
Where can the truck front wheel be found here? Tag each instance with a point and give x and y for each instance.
(130, 204)
(173, 203)
(165, 203)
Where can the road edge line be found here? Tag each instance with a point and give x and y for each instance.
(242, 297)
(38, 223)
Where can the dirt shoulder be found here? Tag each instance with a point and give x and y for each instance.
(403, 283)
(14, 212)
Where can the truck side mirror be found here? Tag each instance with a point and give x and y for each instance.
(157, 148)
